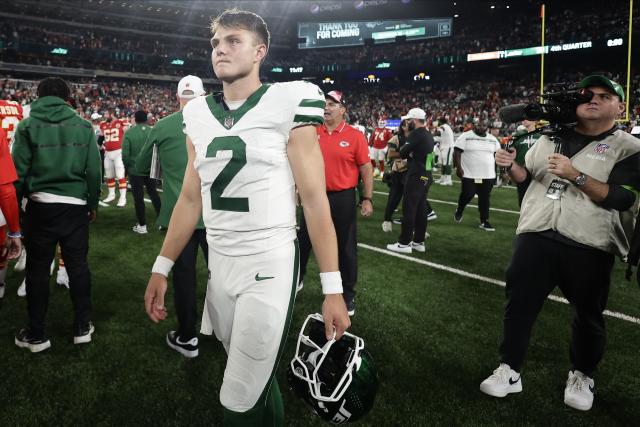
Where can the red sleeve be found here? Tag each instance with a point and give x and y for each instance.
(362, 149)
(7, 170)
(9, 206)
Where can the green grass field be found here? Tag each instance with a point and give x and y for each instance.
(433, 334)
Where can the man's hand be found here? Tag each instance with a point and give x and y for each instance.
(92, 216)
(367, 208)
(459, 172)
(505, 158)
(561, 166)
(154, 297)
(11, 249)
(334, 312)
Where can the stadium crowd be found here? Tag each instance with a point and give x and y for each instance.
(152, 44)
(461, 103)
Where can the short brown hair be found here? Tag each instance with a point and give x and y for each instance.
(243, 19)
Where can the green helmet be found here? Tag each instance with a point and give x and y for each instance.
(337, 379)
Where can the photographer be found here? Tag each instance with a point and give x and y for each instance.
(397, 175)
(575, 217)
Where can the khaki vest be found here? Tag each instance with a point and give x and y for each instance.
(574, 215)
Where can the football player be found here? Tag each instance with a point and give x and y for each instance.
(378, 141)
(112, 130)
(10, 244)
(10, 115)
(248, 149)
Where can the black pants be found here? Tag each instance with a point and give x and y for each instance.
(427, 187)
(483, 190)
(343, 214)
(396, 188)
(414, 210)
(539, 264)
(47, 224)
(184, 284)
(137, 190)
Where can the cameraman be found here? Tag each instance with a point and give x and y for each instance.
(574, 219)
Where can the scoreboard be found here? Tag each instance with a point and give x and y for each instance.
(354, 33)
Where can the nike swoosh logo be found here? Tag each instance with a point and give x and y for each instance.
(512, 382)
(261, 278)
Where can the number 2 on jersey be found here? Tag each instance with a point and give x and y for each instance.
(238, 149)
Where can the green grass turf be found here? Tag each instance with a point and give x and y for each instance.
(433, 335)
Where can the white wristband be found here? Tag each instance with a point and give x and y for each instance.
(163, 265)
(331, 282)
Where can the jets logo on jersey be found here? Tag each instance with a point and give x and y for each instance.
(228, 122)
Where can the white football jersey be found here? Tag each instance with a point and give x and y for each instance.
(248, 191)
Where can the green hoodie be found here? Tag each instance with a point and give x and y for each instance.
(133, 141)
(55, 152)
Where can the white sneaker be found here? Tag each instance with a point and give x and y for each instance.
(62, 278)
(22, 290)
(578, 393)
(398, 247)
(376, 172)
(140, 229)
(418, 247)
(122, 202)
(21, 264)
(431, 216)
(503, 381)
(387, 226)
(110, 198)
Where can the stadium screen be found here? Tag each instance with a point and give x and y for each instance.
(335, 34)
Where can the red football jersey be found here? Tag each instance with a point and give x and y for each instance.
(380, 137)
(10, 116)
(113, 132)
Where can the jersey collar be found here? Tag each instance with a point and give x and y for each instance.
(228, 118)
(338, 129)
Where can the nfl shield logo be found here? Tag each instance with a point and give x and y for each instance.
(228, 122)
(601, 148)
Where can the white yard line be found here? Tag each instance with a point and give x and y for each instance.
(382, 193)
(474, 276)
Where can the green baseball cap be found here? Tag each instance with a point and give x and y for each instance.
(599, 80)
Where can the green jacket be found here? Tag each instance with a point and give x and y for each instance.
(55, 152)
(522, 143)
(132, 143)
(172, 149)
